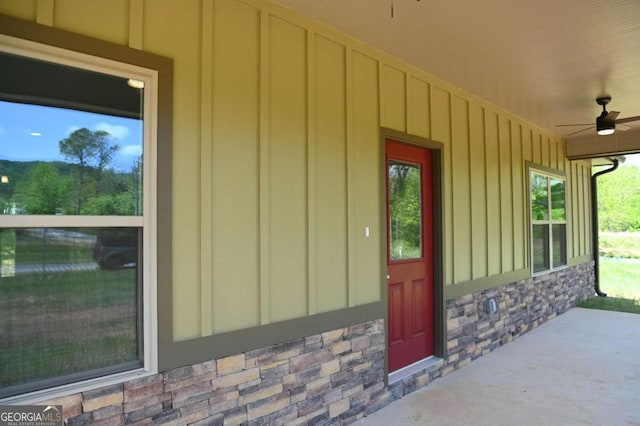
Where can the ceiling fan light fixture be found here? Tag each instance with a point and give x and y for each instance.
(604, 126)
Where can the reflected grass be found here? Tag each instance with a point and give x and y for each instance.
(55, 324)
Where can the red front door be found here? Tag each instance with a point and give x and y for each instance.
(409, 253)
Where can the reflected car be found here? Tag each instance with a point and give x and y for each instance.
(116, 248)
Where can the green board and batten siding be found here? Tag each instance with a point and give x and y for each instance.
(277, 160)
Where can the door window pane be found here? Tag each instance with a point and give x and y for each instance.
(62, 315)
(405, 207)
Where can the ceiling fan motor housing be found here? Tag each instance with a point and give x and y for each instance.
(605, 122)
(603, 125)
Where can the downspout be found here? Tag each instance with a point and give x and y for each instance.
(594, 225)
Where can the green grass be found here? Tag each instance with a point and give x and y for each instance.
(612, 304)
(67, 322)
(34, 250)
(620, 277)
(619, 244)
(619, 273)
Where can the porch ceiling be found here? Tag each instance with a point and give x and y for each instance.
(543, 60)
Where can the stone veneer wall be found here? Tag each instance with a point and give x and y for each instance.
(330, 378)
(325, 378)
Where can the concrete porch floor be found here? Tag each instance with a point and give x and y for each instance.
(581, 368)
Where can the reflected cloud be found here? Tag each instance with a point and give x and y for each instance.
(131, 150)
(117, 131)
(72, 129)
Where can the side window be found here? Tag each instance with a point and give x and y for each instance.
(76, 152)
(548, 221)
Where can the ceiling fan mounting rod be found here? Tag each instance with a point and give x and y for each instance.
(603, 100)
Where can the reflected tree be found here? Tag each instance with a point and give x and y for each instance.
(91, 152)
(45, 191)
(404, 206)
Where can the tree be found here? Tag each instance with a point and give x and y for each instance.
(91, 152)
(619, 200)
(46, 192)
(104, 156)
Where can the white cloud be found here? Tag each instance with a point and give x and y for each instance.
(71, 129)
(131, 150)
(117, 131)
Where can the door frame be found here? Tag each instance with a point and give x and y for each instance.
(439, 302)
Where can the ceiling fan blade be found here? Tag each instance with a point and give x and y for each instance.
(580, 131)
(611, 117)
(628, 119)
(571, 125)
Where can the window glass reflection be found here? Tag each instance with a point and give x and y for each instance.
(539, 198)
(62, 312)
(559, 232)
(557, 199)
(540, 246)
(405, 207)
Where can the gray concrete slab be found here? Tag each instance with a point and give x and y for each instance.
(581, 368)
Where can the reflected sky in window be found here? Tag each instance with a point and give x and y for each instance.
(33, 132)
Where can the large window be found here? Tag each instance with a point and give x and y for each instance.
(77, 214)
(548, 221)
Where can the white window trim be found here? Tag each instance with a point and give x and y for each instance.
(148, 221)
(550, 222)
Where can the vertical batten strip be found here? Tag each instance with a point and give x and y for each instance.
(382, 116)
(312, 257)
(525, 201)
(136, 23)
(470, 185)
(407, 105)
(265, 270)
(350, 164)
(517, 196)
(44, 12)
(486, 192)
(448, 227)
(514, 243)
(576, 209)
(206, 175)
(586, 212)
(498, 153)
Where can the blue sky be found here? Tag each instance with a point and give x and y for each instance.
(32, 132)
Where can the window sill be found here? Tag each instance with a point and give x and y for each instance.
(73, 388)
(549, 271)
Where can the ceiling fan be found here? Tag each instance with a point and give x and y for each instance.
(606, 121)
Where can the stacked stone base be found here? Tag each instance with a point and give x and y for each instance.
(330, 378)
(326, 378)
